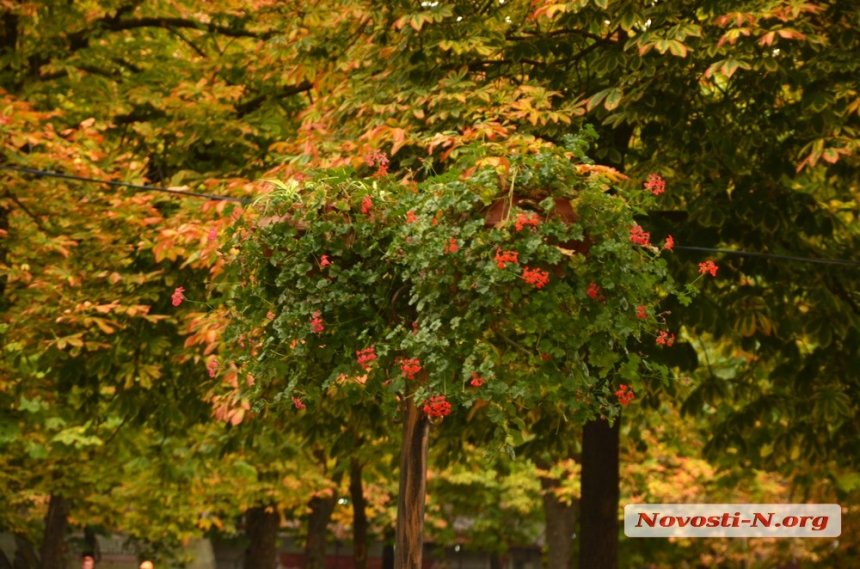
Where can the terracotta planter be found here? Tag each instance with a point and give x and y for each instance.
(499, 211)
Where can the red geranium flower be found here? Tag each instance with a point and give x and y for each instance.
(437, 406)
(317, 323)
(365, 355)
(477, 381)
(666, 339)
(655, 184)
(409, 367)
(177, 296)
(503, 257)
(536, 277)
(669, 243)
(625, 395)
(640, 237)
(708, 267)
(530, 219)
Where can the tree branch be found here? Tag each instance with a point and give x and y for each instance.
(186, 23)
(255, 103)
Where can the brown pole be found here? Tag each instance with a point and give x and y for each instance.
(600, 494)
(409, 535)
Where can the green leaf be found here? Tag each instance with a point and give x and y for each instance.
(613, 98)
(36, 450)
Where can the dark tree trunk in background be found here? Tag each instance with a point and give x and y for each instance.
(359, 515)
(409, 536)
(561, 521)
(388, 552)
(25, 554)
(261, 527)
(4, 251)
(54, 544)
(598, 544)
(321, 511)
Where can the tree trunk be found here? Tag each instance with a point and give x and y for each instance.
(321, 511)
(561, 521)
(4, 253)
(598, 545)
(359, 516)
(25, 554)
(388, 552)
(54, 544)
(409, 536)
(261, 527)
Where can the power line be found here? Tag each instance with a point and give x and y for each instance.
(42, 173)
(139, 187)
(771, 256)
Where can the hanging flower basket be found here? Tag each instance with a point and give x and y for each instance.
(500, 211)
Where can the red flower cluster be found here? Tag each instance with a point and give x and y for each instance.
(526, 219)
(177, 296)
(593, 290)
(669, 243)
(324, 261)
(625, 394)
(666, 339)
(366, 205)
(640, 312)
(213, 234)
(640, 237)
(655, 184)
(411, 217)
(706, 267)
(503, 257)
(270, 315)
(317, 323)
(212, 366)
(409, 367)
(437, 406)
(365, 355)
(477, 380)
(297, 403)
(451, 246)
(381, 160)
(536, 277)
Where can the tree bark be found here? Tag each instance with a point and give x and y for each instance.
(598, 546)
(388, 552)
(4, 251)
(409, 535)
(261, 527)
(321, 511)
(25, 554)
(561, 521)
(359, 516)
(54, 545)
